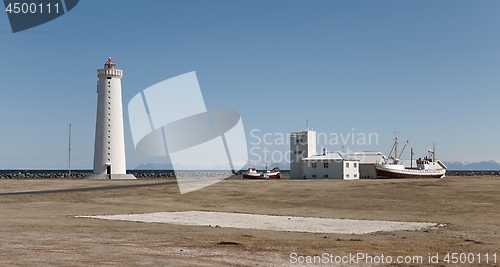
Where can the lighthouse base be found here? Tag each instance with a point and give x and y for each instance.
(110, 177)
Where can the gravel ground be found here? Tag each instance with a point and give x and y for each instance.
(38, 225)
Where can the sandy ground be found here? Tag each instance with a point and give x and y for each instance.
(40, 229)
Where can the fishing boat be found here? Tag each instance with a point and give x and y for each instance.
(252, 173)
(427, 167)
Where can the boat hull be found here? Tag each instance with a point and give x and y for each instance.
(271, 175)
(409, 173)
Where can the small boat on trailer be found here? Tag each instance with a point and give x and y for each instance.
(267, 174)
(427, 167)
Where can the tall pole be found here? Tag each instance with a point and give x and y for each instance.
(69, 150)
(411, 160)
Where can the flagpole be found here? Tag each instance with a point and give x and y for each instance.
(69, 150)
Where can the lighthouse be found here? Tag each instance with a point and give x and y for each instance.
(109, 149)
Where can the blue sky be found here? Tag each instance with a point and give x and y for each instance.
(428, 69)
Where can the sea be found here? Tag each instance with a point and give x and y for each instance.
(149, 172)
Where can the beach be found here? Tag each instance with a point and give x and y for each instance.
(40, 223)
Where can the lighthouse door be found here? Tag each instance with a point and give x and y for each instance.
(108, 169)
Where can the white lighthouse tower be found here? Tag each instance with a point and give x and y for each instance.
(109, 150)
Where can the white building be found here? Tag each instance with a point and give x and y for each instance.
(306, 164)
(302, 145)
(109, 149)
(367, 162)
(330, 165)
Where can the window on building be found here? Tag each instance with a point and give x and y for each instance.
(314, 176)
(347, 176)
(355, 176)
(347, 164)
(313, 165)
(325, 176)
(355, 165)
(296, 140)
(325, 165)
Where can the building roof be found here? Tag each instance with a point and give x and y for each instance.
(367, 157)
(334, 156)
(303, 132)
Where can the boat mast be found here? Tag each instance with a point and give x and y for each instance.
(396, 150)
(402, 150)
(434, 152)
(69, 150)
(411, 158)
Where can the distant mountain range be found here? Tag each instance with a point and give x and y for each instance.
(490, 165)
(154, 166)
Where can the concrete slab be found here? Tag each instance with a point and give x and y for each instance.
(267, 222)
